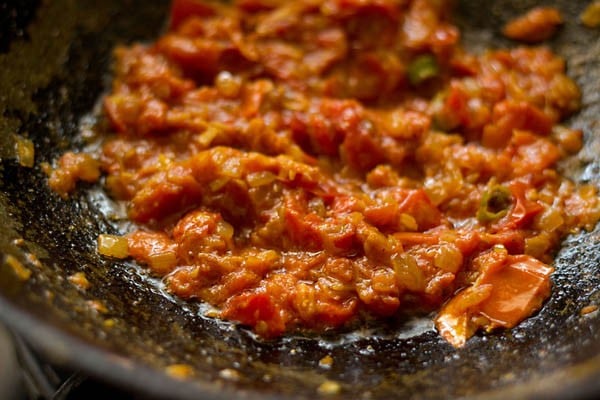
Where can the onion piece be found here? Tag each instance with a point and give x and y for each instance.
(113, 246)
(25, 151)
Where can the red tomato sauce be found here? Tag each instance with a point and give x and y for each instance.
(303, 166)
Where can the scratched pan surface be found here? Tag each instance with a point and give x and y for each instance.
(54, 58)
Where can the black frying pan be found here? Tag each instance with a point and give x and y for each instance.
(54, 58)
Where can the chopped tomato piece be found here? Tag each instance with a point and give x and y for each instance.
(536, 25)
(508, 116)
(256, 310)
(417, 204)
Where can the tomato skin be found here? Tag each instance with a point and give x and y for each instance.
(518, 290)
(508, 289)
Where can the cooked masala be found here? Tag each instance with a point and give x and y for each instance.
(305, 166)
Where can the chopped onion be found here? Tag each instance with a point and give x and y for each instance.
(260, 178)
(113, 246)
(163, 262)
(25, 151)
(408, 273)
(551, 220)
(228, 85)
(218, 183)
(80, 280)
(590, 17)
(538, 245)
(179, 371)
(448, 258)
(225, 230)
(206, 138)
(21, 271)
(409, 222)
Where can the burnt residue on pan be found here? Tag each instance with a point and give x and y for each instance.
(125, 329)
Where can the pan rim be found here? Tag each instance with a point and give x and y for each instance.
(578, 381)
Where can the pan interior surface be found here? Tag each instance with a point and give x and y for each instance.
(126, 329)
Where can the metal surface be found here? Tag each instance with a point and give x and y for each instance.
(51, 74)
(11, 387)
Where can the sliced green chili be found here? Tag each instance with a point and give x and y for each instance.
(495, 203)
(423, 68)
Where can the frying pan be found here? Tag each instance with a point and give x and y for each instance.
(54, 63)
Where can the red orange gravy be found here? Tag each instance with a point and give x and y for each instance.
(307, 165)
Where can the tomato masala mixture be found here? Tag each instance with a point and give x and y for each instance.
(304, 166)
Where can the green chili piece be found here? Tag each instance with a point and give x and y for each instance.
(494, 204)
(423, 68)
